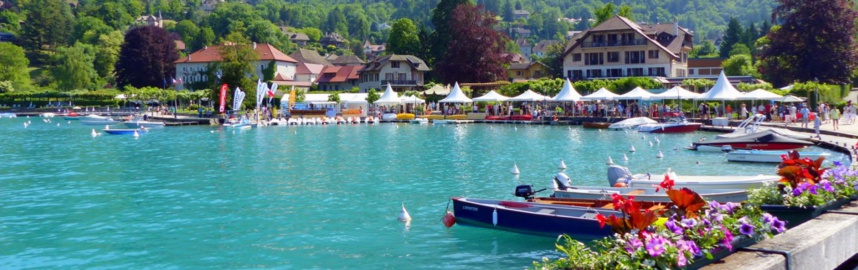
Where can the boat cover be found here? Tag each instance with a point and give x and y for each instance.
(767, 136)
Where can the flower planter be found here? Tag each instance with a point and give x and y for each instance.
(798, 215)
(722, 252)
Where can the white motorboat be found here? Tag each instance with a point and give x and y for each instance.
(243, 123)
(93, 119)
(768, 156)
(8, 115)
(621, 175)
(748, 126)
(47, 115)
(632, 123)
(676, 124)
(139, 123)
(441, 122)
(564, 189)
(388, 117)
(421, 121)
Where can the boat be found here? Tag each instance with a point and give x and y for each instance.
(621, 176)
(532, 218)
(564, 189)
(138, 123)
(497, 117)
(71, 116)
(522, 117)
(675, 124)
(243, 123)
(600, 125)
(388, 117)
(421, 121)
(748, 126)
(768, 156)
(442, 122)
(8, 115)
(47, 115)
(764, 140)
(93, 119)
(125, 131)
(632, 123)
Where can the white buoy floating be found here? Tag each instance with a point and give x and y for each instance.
(562, 165)
(136, 135)
(106, 127)
(94, 134)
(58, 124)
(656, 140)
(403, 215)
(632, 149)
(650, 143)
(610, 161)
(625, 158)
(514, 169)
(659, 155)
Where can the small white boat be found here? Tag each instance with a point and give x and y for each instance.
(388, 117)
(674, 125)
(768, 156)
(47, 115)
(8, 115)
(422, 121)
(621, 175)
(243, 123)
(564, 189)
(441, 122)
(98, 120)
(632, 123)
(138, 123)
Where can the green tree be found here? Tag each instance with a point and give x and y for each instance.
(731, 36)
(403, 38)
(313, 33)
(337, 22)
(740, 48)
(372, 96)
(441, 18)
(73, 67)
(88, 29)
(107, 53)
(604, 13)
(9, 21)
(206, 38)
(49, 25)
(508, 11)
(14, 67)
(269, 71)
(739, 65)
(705, 49)
(188, 31)
(626, 11)
(238, 59)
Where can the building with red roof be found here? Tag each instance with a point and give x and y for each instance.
(339, 78)
(194, 67)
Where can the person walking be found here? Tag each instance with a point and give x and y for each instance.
(805, 116)
(835, 117)
(816, 124)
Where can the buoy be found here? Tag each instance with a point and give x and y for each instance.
(106, 127)
(643, 137)
(136, 135)
(650, 143)
(449, 219)
(610, 161)
(94, 134)
(58, 124)
(632, 149)
(657, 141)
(403, 215)
(514, 169)
(495, 216)
(676, 148)
(562, 165)
(516, 128)
(68, 122)
(659, 155)
(625, 158)
(25, 125)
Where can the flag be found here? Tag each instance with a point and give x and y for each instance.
(272, 90)
(175, 82)
(222, 106)
(292, 97)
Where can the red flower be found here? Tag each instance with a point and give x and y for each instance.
(666, 184)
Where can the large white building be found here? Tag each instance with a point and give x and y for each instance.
(193, 67)
(402, 72)
(619, 48)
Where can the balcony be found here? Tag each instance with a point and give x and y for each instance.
(399, 82)
(617, 43)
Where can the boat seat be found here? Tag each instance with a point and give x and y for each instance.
(546, 211)
(657, 207)
(608, 206)
(637, 192)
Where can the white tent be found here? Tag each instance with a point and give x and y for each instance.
(761, 94)
(722, 90)
(791, 98)
(491, 96)
(438, 89)
(456, 96)
(637, 93)
(528, 95)
(411, 100)
(676, 93)
(602, 94)
(353, 98)
(568, 93)
(388, 98)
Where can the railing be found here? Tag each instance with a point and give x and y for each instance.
(399, 82)
(634, 42)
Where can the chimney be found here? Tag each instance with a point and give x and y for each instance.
(676, 28)
(205, 47)
(254, 45)
(189, 58)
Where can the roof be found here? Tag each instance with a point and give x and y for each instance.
(265, 51)
(513, 57)
(543, 45)
(524, 66)
(309, 56)
(522, 42)
(347, 60)
(672, 45)
(298, 37)
(338, 74)
(705, 62)
(307, 68)
(373, 47)
(180, 45)
(520, 12)
(280, 80)
(378, 63)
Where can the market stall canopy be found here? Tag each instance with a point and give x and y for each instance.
(677, 93)
(602, 94)
(491, 96)
(637, 93)
(353, 98)
(722, 90)
(791, 98)
(411, 100)
(528, 95)
(568, 93)
(456, 96)
(761, 94)
(389, 97)
(438, 89)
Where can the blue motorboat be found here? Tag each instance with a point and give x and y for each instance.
(532, 218)
(126, 131)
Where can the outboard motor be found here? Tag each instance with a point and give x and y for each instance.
(616, 173)
(562, 182)
(524, 191)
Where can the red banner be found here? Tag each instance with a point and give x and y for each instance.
(222, 107)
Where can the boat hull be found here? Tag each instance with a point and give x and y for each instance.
(670, 128)
(647, 194)
(750, 146)
(600, 125)
(124, 131)
(146, 124)
(767, 156)
(511, 217)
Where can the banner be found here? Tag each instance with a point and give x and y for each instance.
(292, 97)
(222, 107)
(238, 99)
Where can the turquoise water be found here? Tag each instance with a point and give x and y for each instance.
(293, 197)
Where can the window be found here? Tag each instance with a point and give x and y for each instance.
(656, 71)
(594, 73)
(577, 74)
(635, 57)
(576, 57)
(401, 76)
(615, 72)
(612, 39)
(690, 71)
(594, 58)
(598, 40)
(653, 54)
(518, 73)
(394, 64)
(613, 57)
(634, 72)
(388, 76)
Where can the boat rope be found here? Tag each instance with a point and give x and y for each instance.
(447, 208)
(786, 254)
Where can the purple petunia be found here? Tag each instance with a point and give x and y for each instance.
(714, 205)
(779, 225)
(671, 225)
(688, 222)
(729, 206)
(728, 239)
(826, 186)
(655, 245)
(746, 228)
(768, 218)
(686, 245)
(633, 244)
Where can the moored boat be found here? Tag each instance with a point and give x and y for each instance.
(8, 115)
(532, 218)
(632, 123)
(563, 189)
(125, 131)
(767, 156)
(71, 116)
(98, 120)
(764, 140)
(143, 123)
(673, 125)
(621, 175)
(600, 125)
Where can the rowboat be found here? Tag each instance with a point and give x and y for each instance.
(622, 176)
(767, 156)
(532, 218)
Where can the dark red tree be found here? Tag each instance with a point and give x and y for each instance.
(476, 51)
(815, 41)
(146, 58)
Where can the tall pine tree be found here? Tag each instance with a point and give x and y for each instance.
(732, 36)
